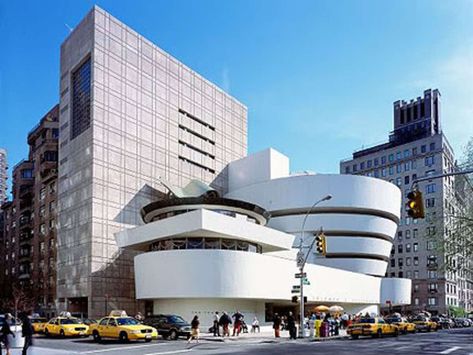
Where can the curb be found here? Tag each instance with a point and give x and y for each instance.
(340, 337)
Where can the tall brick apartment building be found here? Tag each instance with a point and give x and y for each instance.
(29, 234)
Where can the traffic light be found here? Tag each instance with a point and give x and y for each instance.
(415, 204)
(294, 299)
(320, 245)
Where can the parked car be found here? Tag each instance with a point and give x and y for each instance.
(425, 324)
(169, 325)
(375, 327)
(461, 322)
(38, 324)
(119, 326)
(88, 321)
(402, 323)
(442, 322)
(65, 327)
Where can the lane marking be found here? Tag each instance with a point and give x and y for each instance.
(171, 352)
(448, 351)
(122, 348)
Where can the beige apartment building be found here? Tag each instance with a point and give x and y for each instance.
(418, 148)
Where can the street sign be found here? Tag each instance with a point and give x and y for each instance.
(296, 287)
(388, 302)
(300, 275)
(305, 281)
(295, 290)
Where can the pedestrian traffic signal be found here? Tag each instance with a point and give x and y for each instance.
(415, 204)
(320, 245)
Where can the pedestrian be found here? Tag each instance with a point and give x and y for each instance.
(194, 330)
(277, 325)
(291, 324)
(5, 332)
(27, 331)
(345, 320)
(216, 324)
(139, 317)
(225, 322)
(238, 317)
(255, 325)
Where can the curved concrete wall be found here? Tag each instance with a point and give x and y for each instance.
(196, 274)
(396, 290)
(360, 220)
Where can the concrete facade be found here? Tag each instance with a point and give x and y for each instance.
(203, 244)
(411, 154)
(150, 116)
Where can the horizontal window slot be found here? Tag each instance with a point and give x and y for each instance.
(198, 120)
(197, 164)
(197, 149)
(196, 134)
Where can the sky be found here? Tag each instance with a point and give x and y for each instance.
(318, 77)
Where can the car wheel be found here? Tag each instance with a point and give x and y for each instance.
(173, 335)
(396, 332)
(46, 333)
(354, 336)
(123, 337)
(61, 334)
(148, 340)
(379, 334)
(428, 329)
(96, 336)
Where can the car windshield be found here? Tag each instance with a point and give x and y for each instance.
(69, 321)
(393, 320)
(127, 321)
(39, 320)
(368, 320)
(176, 319)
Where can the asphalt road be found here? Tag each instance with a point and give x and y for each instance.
(455, 342)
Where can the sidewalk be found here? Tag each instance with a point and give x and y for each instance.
(267, 335)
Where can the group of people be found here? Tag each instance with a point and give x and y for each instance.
(26, 332)
(284, 322)
(223, 321)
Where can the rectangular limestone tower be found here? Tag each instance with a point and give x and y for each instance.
(129, 113)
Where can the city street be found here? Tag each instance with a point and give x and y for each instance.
(454, 341)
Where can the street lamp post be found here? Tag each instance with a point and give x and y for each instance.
(301, 259)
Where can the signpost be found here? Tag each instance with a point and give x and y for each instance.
(300, 275)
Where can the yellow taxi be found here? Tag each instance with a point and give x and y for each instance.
(372, 326)
(402, 323)
(65, 326)
(38, 324)
(424, 323)
(119, 326)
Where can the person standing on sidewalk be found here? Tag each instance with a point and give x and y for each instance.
(195, 332)
(237, 323)
(277, 325)
(5, 332)
(27, 331)
(291, 324)
(216, 325)
(224, 322)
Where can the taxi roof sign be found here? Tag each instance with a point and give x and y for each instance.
(118, 313)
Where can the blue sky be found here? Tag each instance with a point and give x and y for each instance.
(318, 77)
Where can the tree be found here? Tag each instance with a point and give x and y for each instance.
(18, 299)
(451, 230)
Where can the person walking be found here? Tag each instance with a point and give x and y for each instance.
(5, 332)
(27, 331)
(238, 317)
(225, 322)
(277, 325)
(194, 330)
(255, 325)
(291, 324)
(216, 325)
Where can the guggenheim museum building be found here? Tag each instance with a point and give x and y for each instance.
(199, 252)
